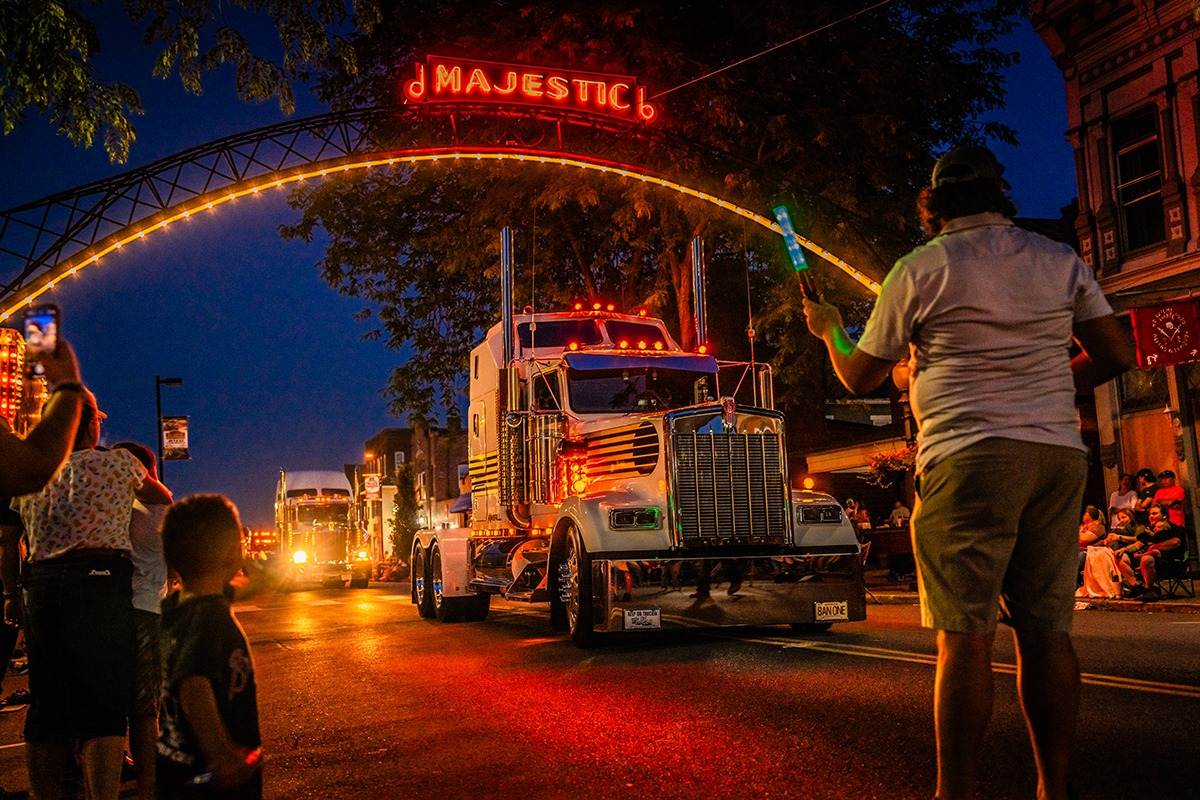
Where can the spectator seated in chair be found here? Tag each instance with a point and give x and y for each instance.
(1163, 541)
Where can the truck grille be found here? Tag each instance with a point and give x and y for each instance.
(729, 489)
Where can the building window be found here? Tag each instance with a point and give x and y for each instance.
(1139, 179)
(1143, 389)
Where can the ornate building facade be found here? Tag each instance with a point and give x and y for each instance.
(1133, 107)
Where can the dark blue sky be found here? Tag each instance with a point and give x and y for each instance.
(274, 371)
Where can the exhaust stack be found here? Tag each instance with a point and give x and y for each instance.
(698, 298)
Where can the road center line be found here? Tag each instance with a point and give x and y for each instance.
(863, 651)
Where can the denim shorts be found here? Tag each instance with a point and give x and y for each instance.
(82, 647)
(995, 535)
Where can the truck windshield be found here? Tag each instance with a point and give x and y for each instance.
(605, 391)
(631, 334)
(321, 515)
(559, 333)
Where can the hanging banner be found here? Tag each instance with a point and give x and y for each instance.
(175, 438)
(371, 487)
(1167, 335)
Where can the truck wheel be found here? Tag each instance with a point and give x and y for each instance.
(360, 582)
(421, 596)
(447, 609)
(575, 582)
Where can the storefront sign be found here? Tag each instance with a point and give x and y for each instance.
(1167, 334)
(175, 438)
(444, 80)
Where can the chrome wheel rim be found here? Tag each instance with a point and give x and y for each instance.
(570, 579)
(436, 569)
(418, 570)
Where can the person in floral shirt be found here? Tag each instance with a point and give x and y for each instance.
(78, 610)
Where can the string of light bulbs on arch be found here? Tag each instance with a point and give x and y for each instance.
(210, 202)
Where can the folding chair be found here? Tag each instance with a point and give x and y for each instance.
(1173, 578)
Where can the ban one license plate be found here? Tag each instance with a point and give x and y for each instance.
(831, 611)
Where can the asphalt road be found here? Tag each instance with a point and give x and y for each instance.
(359, 697)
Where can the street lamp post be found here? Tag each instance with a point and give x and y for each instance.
(158, 384)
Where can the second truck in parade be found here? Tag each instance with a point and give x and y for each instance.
(615, 477)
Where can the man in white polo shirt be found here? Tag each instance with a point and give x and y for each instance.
(985, 312)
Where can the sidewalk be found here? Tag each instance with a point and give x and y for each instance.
(883, 591)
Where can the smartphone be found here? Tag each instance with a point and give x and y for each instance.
(41, 334)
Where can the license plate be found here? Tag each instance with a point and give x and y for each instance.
(642, 619)
(835, 610)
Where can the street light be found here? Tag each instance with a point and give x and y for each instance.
(158, 384)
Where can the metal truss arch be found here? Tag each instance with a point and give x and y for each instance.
(46, 240)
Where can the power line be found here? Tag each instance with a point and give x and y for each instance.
(773, 49)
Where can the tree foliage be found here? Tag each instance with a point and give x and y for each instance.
(48, 50)
(404, 511)
(843, 124)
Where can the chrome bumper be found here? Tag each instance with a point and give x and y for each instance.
(662, 593)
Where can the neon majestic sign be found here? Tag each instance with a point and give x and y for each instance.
(445, 80)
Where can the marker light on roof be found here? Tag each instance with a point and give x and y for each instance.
(573, 346)
(641, 345)
(579, 306)
(624, 345)
(702, 349)
(658, 345)
(611, 307)
(595, 306)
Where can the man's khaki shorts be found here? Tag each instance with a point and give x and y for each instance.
(995, 536)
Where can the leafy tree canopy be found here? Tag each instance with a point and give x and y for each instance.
(843, 124)
(48, 48)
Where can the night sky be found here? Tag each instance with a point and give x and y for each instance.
(274, 371)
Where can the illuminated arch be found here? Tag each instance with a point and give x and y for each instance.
(153, 205)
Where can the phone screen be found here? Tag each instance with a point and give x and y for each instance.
(41, 333)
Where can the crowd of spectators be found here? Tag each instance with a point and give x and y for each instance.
(84, 571)
(1147, 525)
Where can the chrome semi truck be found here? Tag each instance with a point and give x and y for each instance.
(319, 540)
(615, 478)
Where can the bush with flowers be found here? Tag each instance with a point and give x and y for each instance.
(884, 469)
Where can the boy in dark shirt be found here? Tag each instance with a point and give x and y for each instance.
(208, 743)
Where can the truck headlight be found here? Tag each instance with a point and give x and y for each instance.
(361, 555)
(299, 557)
(644, 518)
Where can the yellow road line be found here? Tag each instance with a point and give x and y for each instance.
(863, 651)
